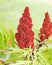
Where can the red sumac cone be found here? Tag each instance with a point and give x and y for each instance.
(46, 29)
(25, 35)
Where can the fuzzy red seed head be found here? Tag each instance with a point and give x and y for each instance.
(25, 35)
(46, 29)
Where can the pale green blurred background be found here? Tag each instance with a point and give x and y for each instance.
(11, 11)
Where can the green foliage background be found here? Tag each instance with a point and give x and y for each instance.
(10, 13)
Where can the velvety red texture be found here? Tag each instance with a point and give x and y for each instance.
(25, 35)
(46, 29)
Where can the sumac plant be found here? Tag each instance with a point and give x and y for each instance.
(46, 29)
(25, 35)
